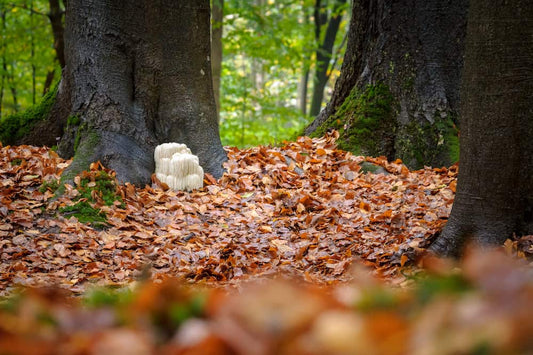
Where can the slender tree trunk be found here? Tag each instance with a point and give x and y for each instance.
(304, 84)
(304, 80)
(48, 81)
(494, 197)
(6, 73)
(325, 49)
(13, 89)
(414, 47)
(217, 22)
(139, 74)
(3, 17)
(56, 20)
(32, 56)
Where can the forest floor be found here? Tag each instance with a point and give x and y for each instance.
(305, 211)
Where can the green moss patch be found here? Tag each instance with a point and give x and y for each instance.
(434, 144)
(51, 185)
(16, 126)
(366, 122)
(95, 188)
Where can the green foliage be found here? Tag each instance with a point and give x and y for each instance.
(11, 303)
(27, 52)
(426, 289)
(179, 312)
(84, 209)
(16, 162)
(430, 287)
(268, 47)
(374, 298)
(267, 50)
(15, 126)
(363, 120)
(107, 296)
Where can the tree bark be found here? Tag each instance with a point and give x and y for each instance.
(414, 47)
(138, 74)
(494, 197)
(324, 50)
(217, 23)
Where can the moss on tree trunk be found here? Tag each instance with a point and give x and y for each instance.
(33, 125)
(415, 48)
(366, 122)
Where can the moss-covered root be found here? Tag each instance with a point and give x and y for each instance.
(96, 188)
(18, 125)
(85, 154)
(434, 144)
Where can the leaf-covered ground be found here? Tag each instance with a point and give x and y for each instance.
(485, 309)
(302, 209)
(304, 213)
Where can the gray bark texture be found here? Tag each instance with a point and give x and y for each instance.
(138, 74)
(494, 197)
(415, 47)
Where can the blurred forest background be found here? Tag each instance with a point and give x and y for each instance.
(275, 55)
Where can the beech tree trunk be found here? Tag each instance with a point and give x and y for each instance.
(138, 74)
(494, 197)
(415, 48)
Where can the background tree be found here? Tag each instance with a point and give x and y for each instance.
(494, 197)
(269, 51)
(26, 54)
(398, 92)
(217, 26)
(137, 74)
(268, 48)
(327, 20)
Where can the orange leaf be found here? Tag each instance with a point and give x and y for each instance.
(403, 260)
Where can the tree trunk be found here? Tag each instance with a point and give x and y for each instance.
(414, 47)
(494, 197)
(216, 47)
(138, 74)
(2, 83)
(48, 81)
(32, 58)
(302, 89)
(324, 50)
(56, 20)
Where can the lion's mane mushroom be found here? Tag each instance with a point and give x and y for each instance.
(176, 166)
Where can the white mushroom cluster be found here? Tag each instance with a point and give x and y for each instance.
(176, 166)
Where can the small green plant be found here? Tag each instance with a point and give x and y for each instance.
(51, 185)
(16, 162)
(378, 298)
(432, 286)
(181, 311)
(107, 296)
